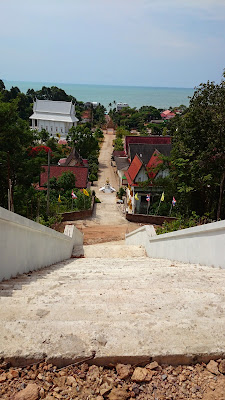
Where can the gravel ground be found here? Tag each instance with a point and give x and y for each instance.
(120, 382)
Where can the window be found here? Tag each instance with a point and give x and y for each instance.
(61, 130)
(35, 122)
(46, 128)
(56, 129)
(41, 126)
(51, 128)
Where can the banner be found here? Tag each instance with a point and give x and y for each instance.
(73, 195)
(85, 192)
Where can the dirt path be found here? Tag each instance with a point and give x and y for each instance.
(108, 221)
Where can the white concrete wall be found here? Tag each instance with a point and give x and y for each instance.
(26, 245)
(202, 245)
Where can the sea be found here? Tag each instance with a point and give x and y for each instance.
(135, 96)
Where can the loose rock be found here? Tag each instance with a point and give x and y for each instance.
(152, 365)
(118, 394)
(141, 375)
(212, 367)
(123, 370)
(222, 366)
(31, 392)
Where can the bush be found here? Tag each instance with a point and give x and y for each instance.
(93, 177)
(121, 193)
(182, 223)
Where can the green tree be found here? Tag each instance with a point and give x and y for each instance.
(119, 144)
(198, 155)
(15, 140)
(98, 134)
(83, 139)
(66, 181)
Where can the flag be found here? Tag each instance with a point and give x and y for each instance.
(85, 192)
(162, 197)
(136, 196)
(73, 195)
(59, 199)
(174, 201)
(148, 197)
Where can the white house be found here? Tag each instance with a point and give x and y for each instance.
(120, 106)
(56, 117)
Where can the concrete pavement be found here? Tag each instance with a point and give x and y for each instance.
(123, 309)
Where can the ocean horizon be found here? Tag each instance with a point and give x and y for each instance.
(135, 96)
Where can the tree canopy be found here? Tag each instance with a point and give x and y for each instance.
(198, 155)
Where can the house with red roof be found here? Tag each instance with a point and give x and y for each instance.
(145, 140)
(141, 185)
(80, 173)
(86, 116)
(167, 114)
(73, 159)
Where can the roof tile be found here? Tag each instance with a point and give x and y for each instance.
(81, 174)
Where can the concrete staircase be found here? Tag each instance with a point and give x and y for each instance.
(125, 308)
(113, 250)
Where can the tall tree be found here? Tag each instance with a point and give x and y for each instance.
(83, 139)
(198, 156)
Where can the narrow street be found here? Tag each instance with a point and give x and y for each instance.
(108, 222)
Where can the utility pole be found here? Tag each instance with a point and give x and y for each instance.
(48, 182)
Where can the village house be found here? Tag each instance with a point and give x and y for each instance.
(74, 159)
(56, 117)
(120, 106)
(81, 175)
(167, 114)
(144, 157)
(155, 140)
(86, 116)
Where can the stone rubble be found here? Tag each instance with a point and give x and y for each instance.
(44, 381)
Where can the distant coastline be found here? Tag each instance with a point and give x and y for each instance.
(135, 96)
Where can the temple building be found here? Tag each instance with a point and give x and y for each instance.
(56, 117)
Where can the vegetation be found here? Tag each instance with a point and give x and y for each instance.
(196, 165)
(121, 193)
(131, 118)
(182, 223)
(22, 152)
(198, 155)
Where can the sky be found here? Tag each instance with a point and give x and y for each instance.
(167, 43)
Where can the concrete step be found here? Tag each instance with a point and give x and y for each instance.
(123, 309)
(113, 250)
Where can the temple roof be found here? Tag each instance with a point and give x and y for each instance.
(49, 110)
(145, 151)
(81, 174)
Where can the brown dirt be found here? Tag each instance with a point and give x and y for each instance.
(105, 233)
(116, 383)
(100, 233)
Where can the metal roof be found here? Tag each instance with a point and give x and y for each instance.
(54, 117)
(52, 107)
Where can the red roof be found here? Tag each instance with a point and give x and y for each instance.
(86, 114)
(146, 140)
(81, 174)
(62, 161)
(119, 153)
(167, 114)
(133, 170)
(62, 141)
(153, 163)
